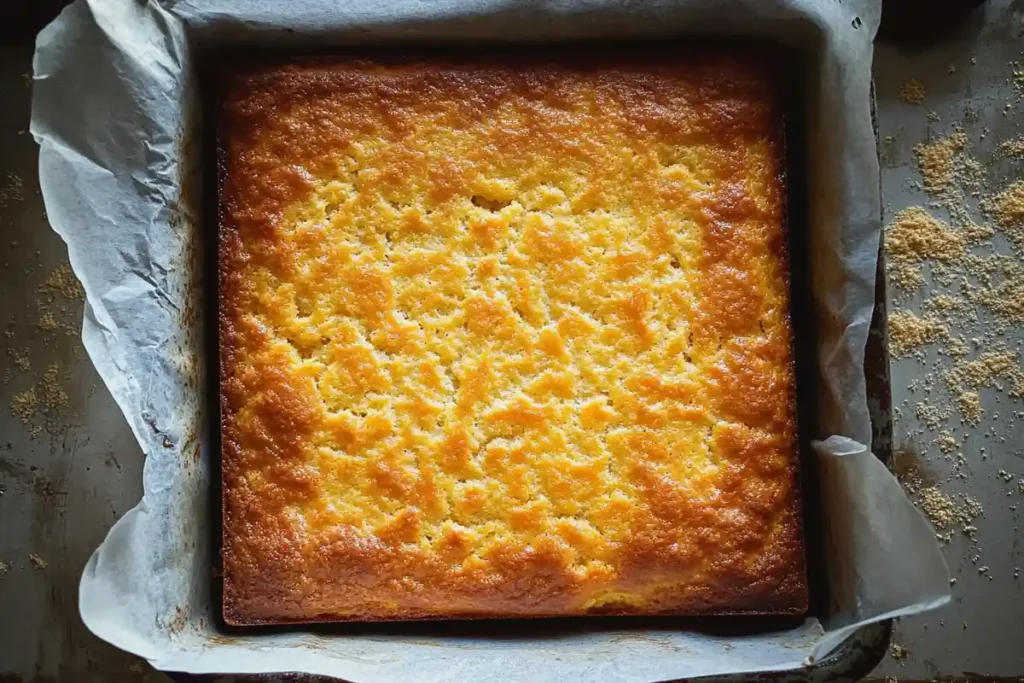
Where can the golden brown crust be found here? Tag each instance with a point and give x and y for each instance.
(506, 339)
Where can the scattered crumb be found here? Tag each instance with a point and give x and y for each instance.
(944, 512)
(908, 332)
(55, 296)
(898, 652)
(37, 562)
(20, 359)
(995, 282)
(913, 236)
(986, 369)
(4, 568)
(971, 509)
(936, 161)
(946, 442)
(912, 92)
(24, 405)
(45, 399)
(62, 281)
(970, 175)
(1013, 147)
(931, 415)
(944, 303)
(52, 396)
(47, 322)
(969, 403)
(933, 116)
(1007, 209)
(13, 190)
(957, 347)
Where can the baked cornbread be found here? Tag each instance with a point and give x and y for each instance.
(506, 338)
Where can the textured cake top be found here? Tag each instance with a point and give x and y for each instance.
(506, 339)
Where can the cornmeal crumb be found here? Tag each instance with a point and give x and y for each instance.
(1012, 148)
(13, 190)
(1007, 209)
(20, 359)
(946, 442)
(938, 506)
(912, 92)
(931, 415)
(47, 322)
(908, 332)
(23, 405)
(986, 370)
(913, 236)
(936, 161)
(52, 395)
(62, 281)
(45, 398)
(944, 512)
(969, 403)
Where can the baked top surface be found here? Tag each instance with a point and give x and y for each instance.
(505, 339)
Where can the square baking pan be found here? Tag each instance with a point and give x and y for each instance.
(852, 661)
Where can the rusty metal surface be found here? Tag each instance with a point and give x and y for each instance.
(73, 467)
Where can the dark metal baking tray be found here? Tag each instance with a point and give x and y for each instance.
(855, 659)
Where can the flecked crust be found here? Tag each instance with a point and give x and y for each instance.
(507, 338)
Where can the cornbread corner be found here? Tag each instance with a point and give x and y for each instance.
(507, 338)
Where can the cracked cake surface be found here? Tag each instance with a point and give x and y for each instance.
(506, 337)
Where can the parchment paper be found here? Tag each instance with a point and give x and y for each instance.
(114, 113)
